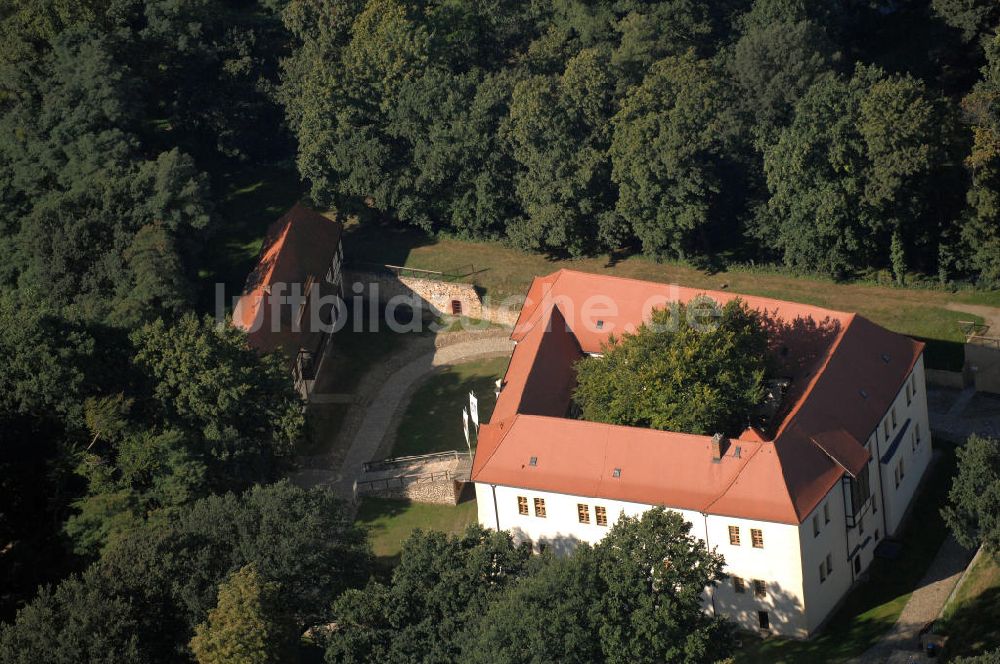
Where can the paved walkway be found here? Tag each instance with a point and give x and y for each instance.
(957, 414)
(902, 642)
(381, 410)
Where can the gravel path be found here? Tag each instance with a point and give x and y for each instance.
(380, 412)
(902, 642)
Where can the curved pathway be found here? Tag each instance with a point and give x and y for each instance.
(990, 315)
(394, 391)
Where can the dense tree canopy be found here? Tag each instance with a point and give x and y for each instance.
(851, 173)
(634, 597)
(140, 441)
(749, 130)
(142, 601)
(695, 368)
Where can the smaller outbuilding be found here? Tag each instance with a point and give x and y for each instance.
(288, 301)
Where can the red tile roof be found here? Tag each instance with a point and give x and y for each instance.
(298, 246)
(841, 387)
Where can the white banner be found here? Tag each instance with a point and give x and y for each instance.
(465, 424)
(474, 410)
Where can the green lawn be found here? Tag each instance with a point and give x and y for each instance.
(972, 620)
(873, 607)
(502, 272)
(389, 522)
(433, 420)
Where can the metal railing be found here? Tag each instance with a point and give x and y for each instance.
(402, 481)
(455, 274)
(977, 333)
(386, 464)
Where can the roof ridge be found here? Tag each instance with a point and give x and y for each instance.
(736, 477)
(706, 291)
(496, 445)
(538, 308)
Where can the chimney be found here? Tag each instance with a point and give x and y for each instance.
(719, 443)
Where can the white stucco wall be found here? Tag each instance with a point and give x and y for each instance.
(915, 458)
(777, 563)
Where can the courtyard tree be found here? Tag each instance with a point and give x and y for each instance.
(696, 368)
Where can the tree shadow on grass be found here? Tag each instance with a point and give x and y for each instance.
(378, 239)
(975, 628)
(432, 421)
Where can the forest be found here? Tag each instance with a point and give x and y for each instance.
(839, 137)
(142, 446)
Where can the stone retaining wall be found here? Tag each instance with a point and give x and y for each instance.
(437, 298)
(439, 492)
(941, 378)
(982, 359)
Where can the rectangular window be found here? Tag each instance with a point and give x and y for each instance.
(916, 430)
(895, 475)
(540, 507)
(893, 418)
(913, 383)
(583, 512)
(826, 512)
(885, 428)
(829, 565)
(601, 515)
(902, 470)
(522, 505)
(815, 525)
(913, 440)
(763, 620)
(861, 525)
(909, 395)
(822, 572)
(734, 535)
(759, 588)
(757, 538)
(738, 585)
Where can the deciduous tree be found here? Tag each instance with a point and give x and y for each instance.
(247, 625)
(973, 510)
(697, 368)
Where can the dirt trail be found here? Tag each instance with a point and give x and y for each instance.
(990, 315)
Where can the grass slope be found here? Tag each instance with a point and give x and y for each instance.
(972, 620)
(501, 272)
(432, 421)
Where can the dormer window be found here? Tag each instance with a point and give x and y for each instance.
(533, 461)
